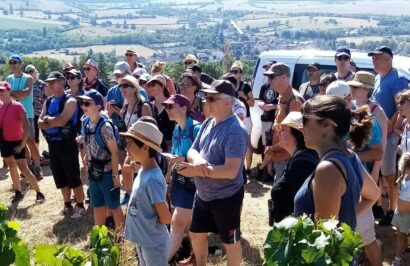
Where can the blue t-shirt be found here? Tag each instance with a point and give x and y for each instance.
(142, 222)
(181, 138)
(215, 143)
(386, 88)
(20, 84)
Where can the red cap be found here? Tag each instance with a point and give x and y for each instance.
(4, 85)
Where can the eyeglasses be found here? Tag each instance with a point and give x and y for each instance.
(235, 71)
(30, 72)
(71, 77)
(212, 99)
(86, 104)
(129, 55)
(313, 116)
(87, 68)
(184, 85)
(189, 62)
(13, 63)
(125, 86)
(343, 58)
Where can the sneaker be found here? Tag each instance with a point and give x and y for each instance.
(125, 199)
(18, 196)
(386, 221)
(66, 211)
(259, 173)
(45, 154)
(37, 172)
(378, 212)
(40, 197)
(78, 213)
(44, 161)
(396, 262)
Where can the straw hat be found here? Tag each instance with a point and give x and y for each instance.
(293, 119)
(130, 79)
(363, 79)
(147, 133)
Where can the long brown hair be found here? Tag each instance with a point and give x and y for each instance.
(361, 126)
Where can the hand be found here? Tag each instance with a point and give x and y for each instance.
(20, 147)
(192, 170)
(45, 119)
(242, 95)
(175, 160)
(261, 105)
(79, 139)
(117, 183)
(85, 161)
(110, 110)
(399, 151)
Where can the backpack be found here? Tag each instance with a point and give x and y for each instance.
(98, 138)
(138, 112)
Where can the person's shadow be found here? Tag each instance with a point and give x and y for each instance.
(251, 254)
(256, 189)
(68, 230)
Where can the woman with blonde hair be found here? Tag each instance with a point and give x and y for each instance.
(159, 69)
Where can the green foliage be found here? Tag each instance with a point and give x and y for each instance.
(12, 248)
(299, 241)
(104, 250)
(59, 255)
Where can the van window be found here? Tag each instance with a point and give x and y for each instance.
(300, 74)
(256, 68)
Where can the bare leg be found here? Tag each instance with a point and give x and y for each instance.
(248, 157)
(35, 154)
(400, 244)
(200, 246)
(181, 219)
(22, 165)
(373, 254)
(118, 218)
(393, 191)
(99, 216)
(12, 164)
(234, 253)
(66, 191)
(79, 194)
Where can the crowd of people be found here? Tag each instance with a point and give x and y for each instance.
(181, 153)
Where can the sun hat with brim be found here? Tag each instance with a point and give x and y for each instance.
(54, 76)
(122, 67)
(158, 78)
(191, 57)
(338, 88)
(363, 79)
(147, 133)
(132, 80)
(132, 50)
(30, 68)
(293, 119)
(4, 85)
(92, 95)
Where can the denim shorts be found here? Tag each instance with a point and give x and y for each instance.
(103, 193)
(153, 256)
(390, 156)
(401, 221)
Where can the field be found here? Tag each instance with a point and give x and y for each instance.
(119, 50)
(22, 23)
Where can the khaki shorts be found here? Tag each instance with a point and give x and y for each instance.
(365, 227)
(401, 221)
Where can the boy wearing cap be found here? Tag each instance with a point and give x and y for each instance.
(101, 157)
(91, 80)
(342, 60)
(147, 212)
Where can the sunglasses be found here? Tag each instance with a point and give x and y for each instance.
(125, 86)
(189, 62)
(87, 68)
(71, 77)
(235, 71)
(86, 104)
(343, 58)
(403, 101)
(272, 76)
(184, 85)
(13, 63)
(30, 71)
(211, 99)
(129, 55)
(305, 118)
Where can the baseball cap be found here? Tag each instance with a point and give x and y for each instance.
(16, 58)
(139, 71)
(159, 78)
(122, 67)
(4, 85)
(343, 51)
(92, 95)
(314, 65)
(132, 50)
(75, 72)
(293, 119)
(145, 132)
(269, 64)
(338, 88)
(195, 68)
(363, 79)
(91, 63)
(221, 86)
(54, 76)
(191, 57)
(278, 69)
(67, 67)
(381, 50)
(179, 99)
(145, 77)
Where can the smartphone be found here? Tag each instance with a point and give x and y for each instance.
(179, 167)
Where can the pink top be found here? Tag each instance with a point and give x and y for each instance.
(10, 121)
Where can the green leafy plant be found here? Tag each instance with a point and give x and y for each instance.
(12, 248)
(300, 241)
(59, 255)
(104, 250)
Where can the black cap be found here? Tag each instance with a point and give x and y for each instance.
(343, 51)
(314, 65)
(54, 76)
(381, 50)
(221, 86)
(195, 68)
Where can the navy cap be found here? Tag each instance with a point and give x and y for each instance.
(92, 95)
(54, 76)
(343, 51)
(381, 50)
(16, 58)
(314, 65)
(221, 86)
(195, 68)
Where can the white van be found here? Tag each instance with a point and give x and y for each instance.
(298, 60)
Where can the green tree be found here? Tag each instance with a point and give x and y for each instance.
(228, 56)
(103, 67)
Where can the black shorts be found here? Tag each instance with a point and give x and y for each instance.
(220, 216)
(7, 150)
(64, 163)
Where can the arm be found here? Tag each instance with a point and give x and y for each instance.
(250, 101)
(112, 146)
(18, 95)
(146, 110)
(383, 121)
(328, 187)
(26, 130)
(369, 194)
(372, 154)
(42, 124)
(163, 212)
(62, 120)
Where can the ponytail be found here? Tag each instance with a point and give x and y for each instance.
(360, 126)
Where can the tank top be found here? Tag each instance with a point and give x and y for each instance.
(405, 138)
(405, 191)
(54, 133)
(20, 84)
(304, 203)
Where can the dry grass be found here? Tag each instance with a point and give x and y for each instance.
(41, 223)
